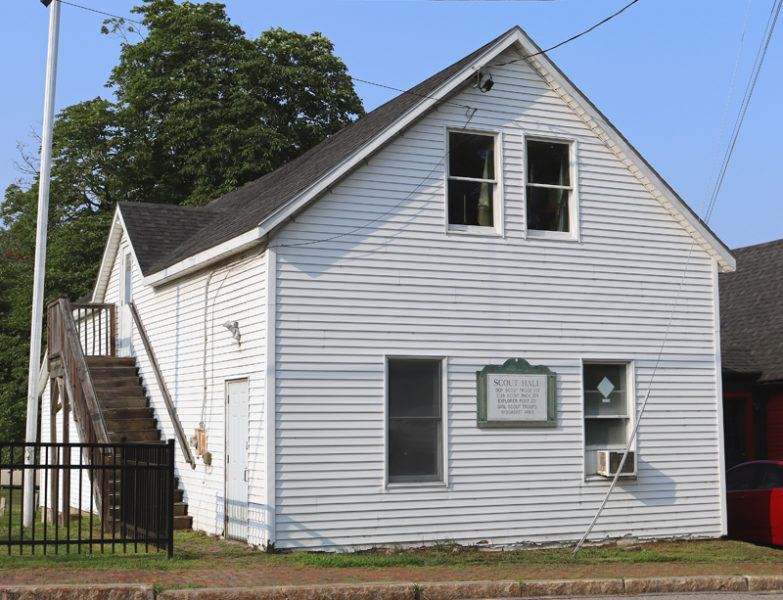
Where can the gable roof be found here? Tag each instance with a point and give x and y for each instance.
(751, 312)
(255, 210)
(239, 211)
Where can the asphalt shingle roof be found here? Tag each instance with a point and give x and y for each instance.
(751, 312)
(164, 236)
(157, 230)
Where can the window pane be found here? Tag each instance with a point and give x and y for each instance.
(547, 209)
(414, 388)
(547, 162)
(472, 155)
(470, 203)
(414, 449)
(605, 390)
(605, 433)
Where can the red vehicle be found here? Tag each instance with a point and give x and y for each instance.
(754, 499)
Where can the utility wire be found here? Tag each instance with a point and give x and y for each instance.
(774, 12)
(760, 56)
(571, 39)
(577, 36)
(100, 12)
(441, 161)
(726, 109)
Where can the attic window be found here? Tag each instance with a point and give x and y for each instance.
(472, 180)
(549, 186)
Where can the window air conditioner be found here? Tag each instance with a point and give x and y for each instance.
(609, 461)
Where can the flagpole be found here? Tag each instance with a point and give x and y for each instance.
(31, 432)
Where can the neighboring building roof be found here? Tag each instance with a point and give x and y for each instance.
(751, 312)
(165, 237)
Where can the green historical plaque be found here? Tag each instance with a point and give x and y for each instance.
(516, 394)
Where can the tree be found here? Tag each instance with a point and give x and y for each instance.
(203, 109)
(199, 110)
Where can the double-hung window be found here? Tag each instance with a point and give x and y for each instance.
(472, 180)
(414, 427)
(549, 187)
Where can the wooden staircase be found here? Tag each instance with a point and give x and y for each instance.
(127, 414)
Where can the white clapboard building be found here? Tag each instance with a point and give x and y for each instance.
(438, 325)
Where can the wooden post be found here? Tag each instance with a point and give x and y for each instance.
(112, 331)
(54, 483)
(66, 512)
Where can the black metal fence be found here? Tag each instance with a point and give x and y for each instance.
(88, 497)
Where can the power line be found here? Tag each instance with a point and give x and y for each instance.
(726, 110)
(571, 39)
(100, 12)
(578, 35)
(751, 86)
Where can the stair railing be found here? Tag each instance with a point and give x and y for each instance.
(183, 442)
(66, 353)
(67, 360)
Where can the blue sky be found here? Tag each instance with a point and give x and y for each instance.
(661, 72)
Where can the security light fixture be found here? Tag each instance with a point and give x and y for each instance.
(233, 327)
(484, 81)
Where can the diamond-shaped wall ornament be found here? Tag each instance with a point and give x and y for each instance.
(606, 387)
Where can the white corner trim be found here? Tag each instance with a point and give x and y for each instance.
(203, 259)
(719, 398)
(270, 395)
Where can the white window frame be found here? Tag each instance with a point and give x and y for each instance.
(497, 228)
(573, 232)
(589, 453)
(443, 483)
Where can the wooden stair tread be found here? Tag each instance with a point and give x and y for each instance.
(128, 416)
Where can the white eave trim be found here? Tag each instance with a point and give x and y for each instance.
(109, 253)
(589, 113)
(638, 166)
(212, 255)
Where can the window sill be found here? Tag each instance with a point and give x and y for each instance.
(565, 236)
(601, 478)
(477, 230)
(416, 485)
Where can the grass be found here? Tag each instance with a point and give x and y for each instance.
(194, 550)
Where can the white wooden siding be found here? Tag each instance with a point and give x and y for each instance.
(369, 271)
(174, 317)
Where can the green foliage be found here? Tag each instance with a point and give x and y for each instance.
(199, 110)
(215, 110)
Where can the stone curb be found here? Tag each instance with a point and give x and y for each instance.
(458, 590)
(668, 585)
(487, 589)
(358, 591)
(95, 591)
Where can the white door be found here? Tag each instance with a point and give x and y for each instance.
(236, 460)
(125, 318)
